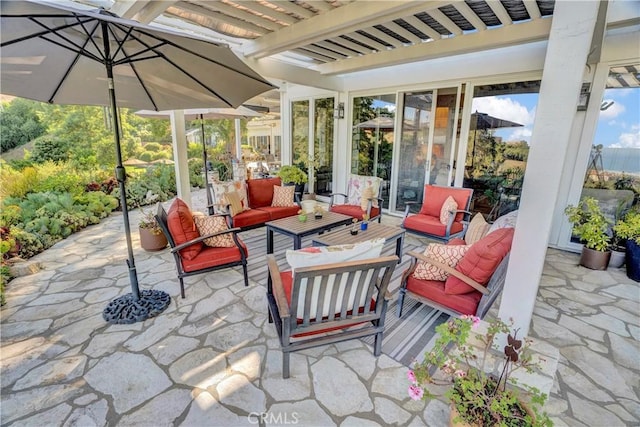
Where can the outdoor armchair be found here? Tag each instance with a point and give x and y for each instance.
(193, 252)
(363, 197)
(444, 213)
(328, 303)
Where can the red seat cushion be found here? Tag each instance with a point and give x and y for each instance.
(182, 228)
(214, 256)
(250, 217)
(354, 210)
(287, 284)
(430, 224)
(260, 191)
(435, 196)
(435, 291)
(481, 260)
(277, 212)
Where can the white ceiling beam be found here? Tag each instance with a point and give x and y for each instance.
(445, 22)
(362, 39)
(470, 16)
(532, 9)
(278, 73)
(315, 55)
(221, 18)
(322, 51)
(337, 48)
(477, 42)
(500, 12)
(334, 23)
(240, 14)
(422, 27)
(403, 32)
(383, 36)
(270, 12)
(152, 10)
(127, 8)
(293, 8)
(351, 45)
(321, 5)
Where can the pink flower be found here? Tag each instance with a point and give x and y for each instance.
(411, 376)
(415, 392)
(475, 320)
(460, 374)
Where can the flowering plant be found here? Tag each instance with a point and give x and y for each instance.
(149, 222)
(479, 398)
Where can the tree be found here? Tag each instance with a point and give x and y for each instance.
(20, 123)
(50, 148)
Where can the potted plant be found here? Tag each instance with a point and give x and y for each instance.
(591, 226)
(151, 236)
(628, 227)
(293, 175)
(478, 398)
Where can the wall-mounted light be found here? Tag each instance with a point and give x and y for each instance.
(583, 100)
(338, 112)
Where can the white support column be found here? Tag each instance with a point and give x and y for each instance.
(179, 143)
(238, 132)
(568, 47)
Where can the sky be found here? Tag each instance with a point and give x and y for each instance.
(618, 125)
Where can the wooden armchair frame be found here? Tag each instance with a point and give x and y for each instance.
(329, 316)
(161, 218)
(489, 292)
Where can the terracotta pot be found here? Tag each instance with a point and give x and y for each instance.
(150, 241)
(595, 260)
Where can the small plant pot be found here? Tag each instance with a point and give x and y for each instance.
(318, 216)
(302, 218)
(364, 225)
(595, 260)
(617, 258)
(150, 241)
(354, 231)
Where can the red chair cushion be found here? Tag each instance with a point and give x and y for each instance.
(354, 210)
(435, 291)
(213, 257)
(182, 228)
(435, 196)
(277, 212)
(481, 260)
(287, 284)
(250, 217)
(260, 191)
(430, 225)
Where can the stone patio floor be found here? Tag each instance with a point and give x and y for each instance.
(212, 359)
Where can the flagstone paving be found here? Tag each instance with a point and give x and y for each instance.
(212, 359)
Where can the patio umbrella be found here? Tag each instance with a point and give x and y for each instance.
(135, 162)
(483, 121)
(64, 55)
(204, 113)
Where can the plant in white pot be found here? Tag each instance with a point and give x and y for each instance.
(591, 226)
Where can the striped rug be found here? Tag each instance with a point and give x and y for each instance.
(405, 339)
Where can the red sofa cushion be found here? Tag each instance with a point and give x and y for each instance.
(354, 210)
(430, 224)
(251, 217)
(287, 284)
(260, 191)
(481, 260)
(435, 196)
(277, 212)
(214, 256)
(182, 228)
(435, 291)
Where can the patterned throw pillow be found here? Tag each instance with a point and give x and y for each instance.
(366, 195)
(219, 188)
(448, 208)
(213, 224)
(446, 254)
(478, 228)
(233, 199)
(507, 220)
(329, 254)
(283, 196)
(357, 184)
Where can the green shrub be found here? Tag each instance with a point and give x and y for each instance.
(196, 173)
(14, 183)
(49, 148)
(153, 146)
(146, 156)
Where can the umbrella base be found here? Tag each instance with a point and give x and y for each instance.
(125, 309)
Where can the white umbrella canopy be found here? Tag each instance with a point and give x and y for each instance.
(63, 55)
(241, 112)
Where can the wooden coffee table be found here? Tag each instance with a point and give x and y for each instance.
(374, 231)
(292, 227)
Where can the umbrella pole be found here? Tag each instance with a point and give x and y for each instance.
(206, 176)
(132, 307)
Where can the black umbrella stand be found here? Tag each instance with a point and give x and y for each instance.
(135, 306)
